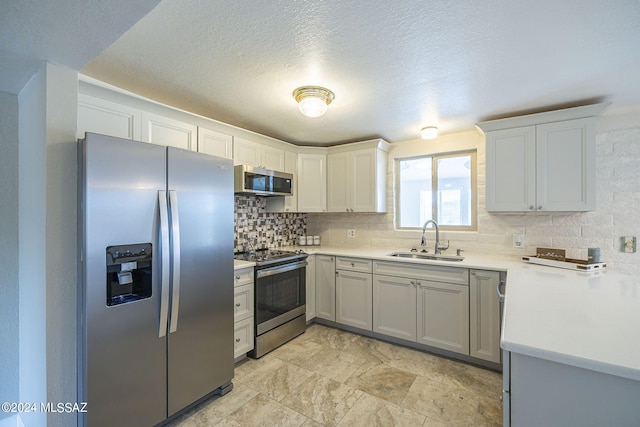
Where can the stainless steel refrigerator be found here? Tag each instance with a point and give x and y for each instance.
(156, 280)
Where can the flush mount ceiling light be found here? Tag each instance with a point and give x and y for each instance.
(313, 100)
(430, 132)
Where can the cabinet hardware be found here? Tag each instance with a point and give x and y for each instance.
(531, 207)
(237, 339)
(540, 207)
(501, 284)
(238, 304)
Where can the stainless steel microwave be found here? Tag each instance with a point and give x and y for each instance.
(263, 182)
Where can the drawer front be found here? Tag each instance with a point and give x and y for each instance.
(243, 302)
(243, 277)
(436, 273)
(354, 264)
(243, 337)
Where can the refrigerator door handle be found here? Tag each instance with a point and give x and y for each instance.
(175, 235)
(164, 263)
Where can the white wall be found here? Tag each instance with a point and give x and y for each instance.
(33, 325)
(47, 234)
(618, 203)
(9, 277)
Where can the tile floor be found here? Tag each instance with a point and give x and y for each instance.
(329, 377)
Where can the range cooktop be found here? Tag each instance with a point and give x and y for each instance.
(270, 256)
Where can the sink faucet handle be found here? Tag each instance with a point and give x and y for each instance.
(444, 247)
(459, 251)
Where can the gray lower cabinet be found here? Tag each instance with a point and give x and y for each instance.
(354, 293)
(440, 308)
(354, 299)
(326, 287)
(394, 306)
(539, 392)
(485, 315)
(443, 315)
(310, 287)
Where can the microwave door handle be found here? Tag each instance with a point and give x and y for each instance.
(164, 263)
(175, 242)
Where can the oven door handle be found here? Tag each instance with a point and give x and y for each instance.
(280, 269)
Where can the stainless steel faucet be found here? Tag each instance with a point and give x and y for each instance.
(423, 242)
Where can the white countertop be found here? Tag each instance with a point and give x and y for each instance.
(238, 264)
(587, 320)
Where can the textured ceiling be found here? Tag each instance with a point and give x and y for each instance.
(63, 32)
(394, 66)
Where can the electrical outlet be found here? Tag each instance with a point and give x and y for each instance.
(628, 244)
(351, 233)
(518, 241)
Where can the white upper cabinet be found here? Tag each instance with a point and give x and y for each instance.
(356, 178)
(542, 162)
(338, 177)
(107, 118)
(162, 130)
(312, 182)
(246, 152)
(215, 143)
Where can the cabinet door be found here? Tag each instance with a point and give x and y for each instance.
(311, 287)
(312, 182)
(566, 166)
(215, 143)
(354, 297)
(338, 182)
(165, 131)
(325, 287)
(511, 170)
(272, 158)
(242, 337)
(484, 315)
(107, 118)
(394, 306)
(363, 181)
(242, 302)
(443, 316)
(246, 152)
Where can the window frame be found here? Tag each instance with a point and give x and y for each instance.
(473, 173)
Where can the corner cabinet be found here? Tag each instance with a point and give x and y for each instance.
(356, 178)
(484, 315)
(542, 162)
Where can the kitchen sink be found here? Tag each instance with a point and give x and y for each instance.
(432, 257)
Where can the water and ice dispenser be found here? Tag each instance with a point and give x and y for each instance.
(128, 273)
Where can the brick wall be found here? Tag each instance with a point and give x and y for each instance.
(617, 214)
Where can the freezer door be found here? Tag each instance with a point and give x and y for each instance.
(122, 358)
(200, 338)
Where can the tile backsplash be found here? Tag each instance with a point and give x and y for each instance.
(271, 230)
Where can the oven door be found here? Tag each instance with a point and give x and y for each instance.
(280, 295)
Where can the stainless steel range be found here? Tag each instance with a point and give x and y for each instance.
(280, 282)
